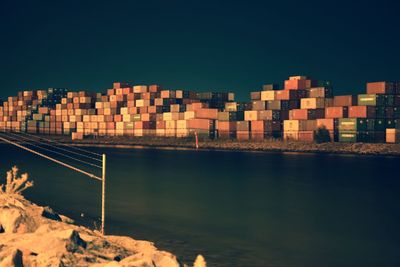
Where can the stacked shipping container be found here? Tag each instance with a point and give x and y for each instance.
(291, 113)
(125, 110)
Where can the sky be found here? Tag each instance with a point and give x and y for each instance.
(204, 45)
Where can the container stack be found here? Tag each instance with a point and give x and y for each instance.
(370, 114)
(314, 97)
(27, 111)
(292, 113)
(125, 110)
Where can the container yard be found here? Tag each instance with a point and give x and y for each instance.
(293, 112)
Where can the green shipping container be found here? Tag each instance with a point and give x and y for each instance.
(371, 100)
(379, 125)
(380, 112)
(362, 136)
(352, 124)
(348, 136)
(389, 100)
(396, 112)
(136, 117)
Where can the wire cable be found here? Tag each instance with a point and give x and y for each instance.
(55, 152)
(63, 149)
(52, 159)
(72, 147)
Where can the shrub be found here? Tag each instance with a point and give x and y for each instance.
(15, 184)
(321, 135)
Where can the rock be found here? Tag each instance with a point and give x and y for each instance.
(50, 214)
(66, 219)
(73, 241)
(13, 259)
(10, 219)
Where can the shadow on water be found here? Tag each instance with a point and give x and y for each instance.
(236, 208)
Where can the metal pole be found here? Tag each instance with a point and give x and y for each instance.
(103, 195)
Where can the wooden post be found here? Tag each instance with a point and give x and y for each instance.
(103, 194)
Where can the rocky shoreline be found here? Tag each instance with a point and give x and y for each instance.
(31, 235)
(272, 145)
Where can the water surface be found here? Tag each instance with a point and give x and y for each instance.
(236, 208)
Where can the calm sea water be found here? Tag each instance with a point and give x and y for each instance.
(236, 208)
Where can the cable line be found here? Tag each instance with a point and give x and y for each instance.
(60, 148)
(72, 147)
(50, 158)
(55, 152)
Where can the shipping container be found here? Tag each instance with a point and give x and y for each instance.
(392, 135)
(380, 88)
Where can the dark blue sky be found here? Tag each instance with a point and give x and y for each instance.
(200, 45)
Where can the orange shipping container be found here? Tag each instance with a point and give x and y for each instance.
(207, 113)
(312, 103)
(268, 95)
(392, 135)
(204, 124)
(251, 115)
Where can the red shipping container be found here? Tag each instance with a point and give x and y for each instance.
(243, 135)
(202, 124)
(298, 114)
(145, 125)
(306, 136)
(154, 88)
(257, 136)
(297, 84)
(344, 100)
(243, 126)
(255, 95)
(226, 126)
(328, 123)
(380, 88)
(336, 112)
(257, 127)
(127, 90)
(160, 125)
(117, 118)
(362, 112)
